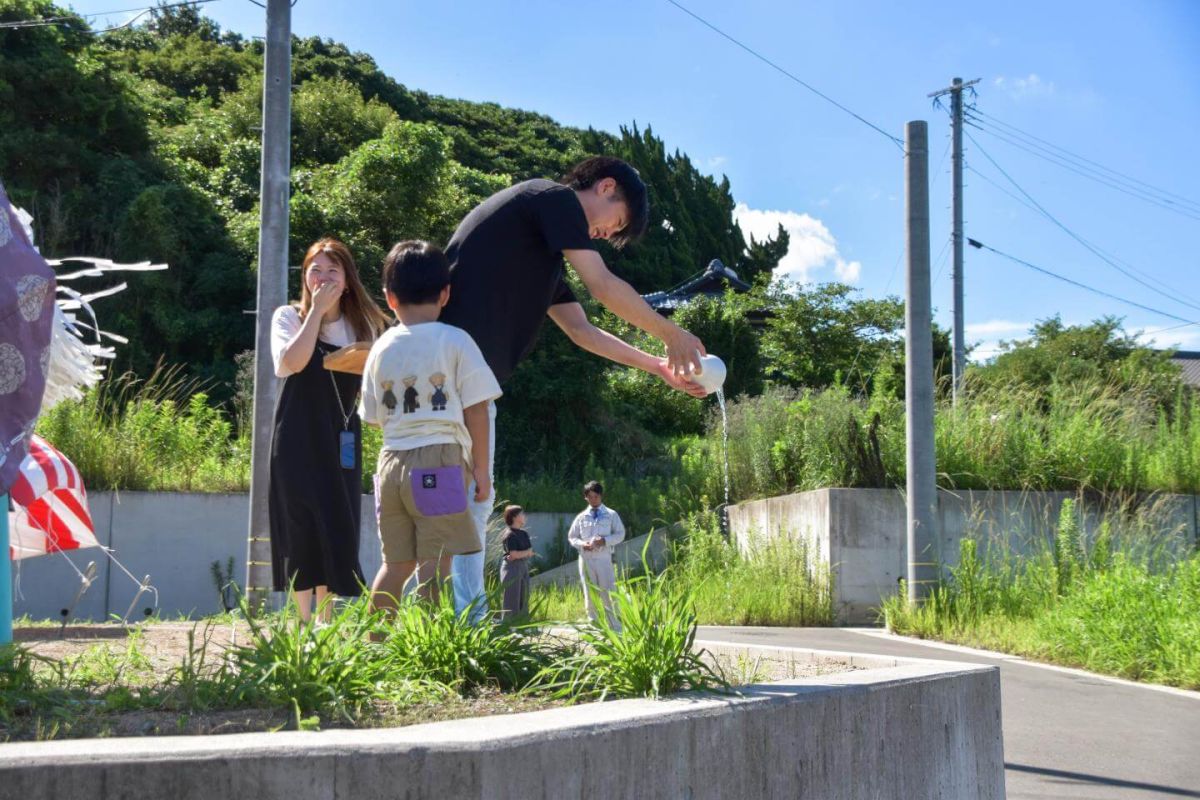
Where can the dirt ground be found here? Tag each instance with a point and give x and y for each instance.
(166, 644)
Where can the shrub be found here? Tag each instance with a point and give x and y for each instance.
(433, 644)
(650, 654)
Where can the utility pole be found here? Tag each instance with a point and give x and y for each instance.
(921, 491)
(272, 283)
(956, 215)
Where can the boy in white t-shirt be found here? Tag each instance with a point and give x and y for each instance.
(427, 385)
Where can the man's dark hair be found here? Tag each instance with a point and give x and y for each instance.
(415, 272)
(630, 189)
(593, 486)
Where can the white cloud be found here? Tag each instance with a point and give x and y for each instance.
(998, 327)
(1029, 87)
(1164, 337)
(716, 162)
(811, 248)
(847, 272)
(985, 337)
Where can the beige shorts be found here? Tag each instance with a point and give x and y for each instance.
(422, 505)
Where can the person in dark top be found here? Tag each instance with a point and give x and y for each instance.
(506, 262)
(514, 564)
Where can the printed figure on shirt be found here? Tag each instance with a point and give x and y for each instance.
(439, 393)
(389, 397)
(410, 395)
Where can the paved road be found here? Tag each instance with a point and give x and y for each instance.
(1065, 735)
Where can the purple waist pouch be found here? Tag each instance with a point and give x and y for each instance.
(438, 491)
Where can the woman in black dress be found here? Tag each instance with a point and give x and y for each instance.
(316, 446)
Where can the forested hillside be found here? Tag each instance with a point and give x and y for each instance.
(143, 143)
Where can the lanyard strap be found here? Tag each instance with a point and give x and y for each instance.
(341, 406)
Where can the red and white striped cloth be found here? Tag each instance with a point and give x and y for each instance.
(50, 509)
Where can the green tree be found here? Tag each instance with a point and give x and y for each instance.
(403, 185)
(330, 119)
(192, 313)
(820, 335)
(64, 114)
(1099, 352)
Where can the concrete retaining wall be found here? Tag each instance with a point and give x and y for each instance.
(627, 556)
(916, 730)
(861, 533)
(174, 537)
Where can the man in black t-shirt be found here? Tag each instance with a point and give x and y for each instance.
(506, 263)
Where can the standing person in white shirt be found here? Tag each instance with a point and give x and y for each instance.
(594, 533)
(315, 495)
(427, 385)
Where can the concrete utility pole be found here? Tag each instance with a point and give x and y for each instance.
(956, 204)
(921, 495)
(272, 283)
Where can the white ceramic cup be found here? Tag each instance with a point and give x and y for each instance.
(711, 374)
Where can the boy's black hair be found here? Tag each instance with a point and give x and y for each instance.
(630, 188)
(415, 272)
(593, 486)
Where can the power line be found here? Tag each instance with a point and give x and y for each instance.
(895, 140)
(1132, 191)
(981, 246)
(1194, 303)
(1073, 156)
(1095, 251)
(49, 22)
(1075, 164)
(941, 260)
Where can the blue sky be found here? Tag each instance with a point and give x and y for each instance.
(1110, 81)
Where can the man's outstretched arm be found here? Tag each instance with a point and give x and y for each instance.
(683, 349)
(575, 324)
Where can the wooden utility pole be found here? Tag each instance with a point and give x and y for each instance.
(956, 204)
(272, 283)
(921, 494)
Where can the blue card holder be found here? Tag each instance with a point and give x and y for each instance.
(346, 449)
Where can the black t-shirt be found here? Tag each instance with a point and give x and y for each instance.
(515, 539)
(506, 267)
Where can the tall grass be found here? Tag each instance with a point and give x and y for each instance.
(157, 434)
(437, 645)
(1122, 603)
(779, 583)
(1081, 436)
(649, 653)
(645, 500)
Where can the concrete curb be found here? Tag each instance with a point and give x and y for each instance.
(1028, 662)
(912, 729)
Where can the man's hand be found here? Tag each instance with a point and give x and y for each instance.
(483, 482)
(663, 370)
(683, 352)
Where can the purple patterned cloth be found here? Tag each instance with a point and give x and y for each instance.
(26, 317)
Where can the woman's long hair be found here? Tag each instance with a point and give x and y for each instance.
(360, 310)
